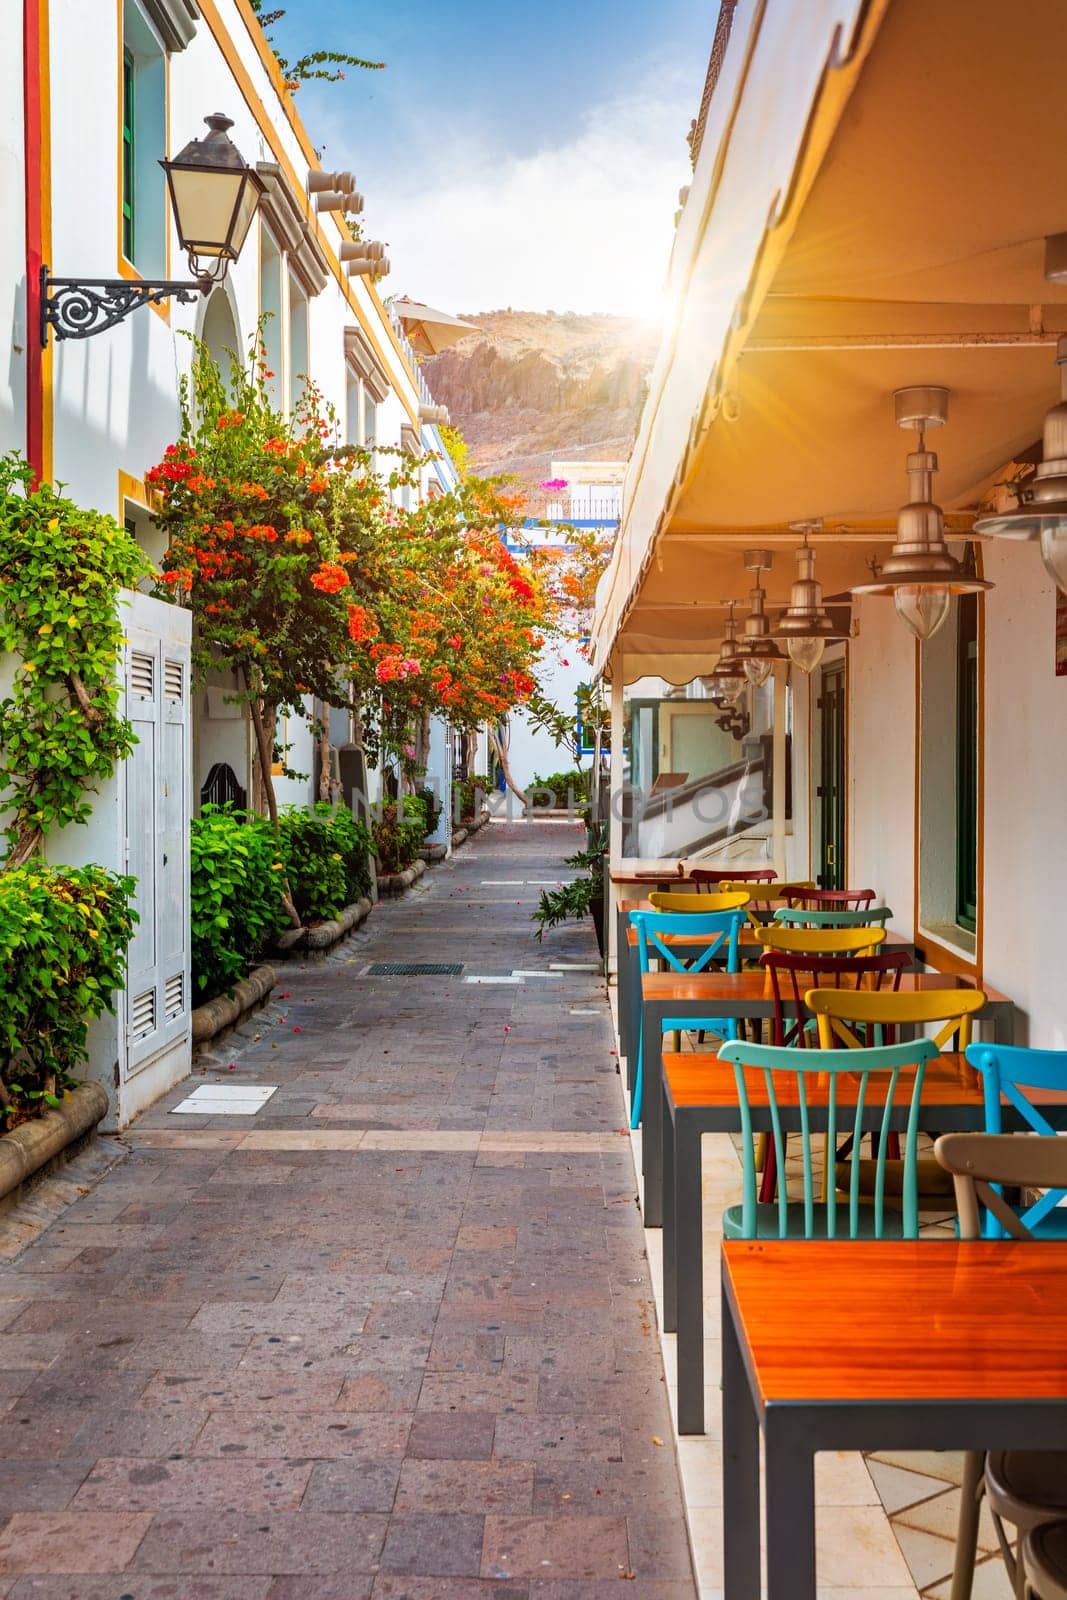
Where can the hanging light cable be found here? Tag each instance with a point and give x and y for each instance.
(920, 572)
(806, 626)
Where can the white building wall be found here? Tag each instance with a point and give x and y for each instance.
(1025, 859)
(1025, 781)
(880, 841)
(13, 328)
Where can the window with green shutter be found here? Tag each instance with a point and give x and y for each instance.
(127, 154)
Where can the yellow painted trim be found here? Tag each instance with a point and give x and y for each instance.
(942, 959)
(47, 354)
(131, 488)
(253, 101)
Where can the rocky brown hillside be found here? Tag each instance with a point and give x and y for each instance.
(534, 387)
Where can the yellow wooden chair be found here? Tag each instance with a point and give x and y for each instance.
(857, 1018)
(699, 904)
(765, 896)
(820, 941)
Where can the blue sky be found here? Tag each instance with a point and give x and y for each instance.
(513, 154)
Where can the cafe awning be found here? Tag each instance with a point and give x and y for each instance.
(868, 211)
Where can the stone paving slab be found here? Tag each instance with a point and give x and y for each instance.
(391, 1338)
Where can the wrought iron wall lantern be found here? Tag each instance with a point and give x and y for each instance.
(806, 627)
(1040, 511)
(920, 573)
(214, 195)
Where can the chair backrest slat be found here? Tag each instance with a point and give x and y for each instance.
(698, 904)
(821, 941)
(720, 929)
(882, 1065)
(799, 916)
(705, 878)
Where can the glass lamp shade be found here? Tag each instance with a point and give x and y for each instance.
(758, 669)
(806, 653)
(1054, 552)
(923, 607)
(213, 193)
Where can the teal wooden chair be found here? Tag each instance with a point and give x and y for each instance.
(804, 1079)
(797, 917)
(722, 930)
(1006, 1071)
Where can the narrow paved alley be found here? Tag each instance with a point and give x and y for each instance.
(392, 1335)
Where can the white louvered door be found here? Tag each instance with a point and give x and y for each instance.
(157, 833)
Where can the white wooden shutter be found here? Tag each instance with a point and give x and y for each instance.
(157, 831)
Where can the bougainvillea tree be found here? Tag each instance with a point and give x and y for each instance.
(307, 579)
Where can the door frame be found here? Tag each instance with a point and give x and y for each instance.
(835, 665)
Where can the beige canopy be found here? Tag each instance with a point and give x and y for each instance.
(868, 211)
(430, 331)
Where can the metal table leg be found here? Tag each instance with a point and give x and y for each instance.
(689, 1258)
(740, 1470)
(670, 1252)
(652, 1102)
(789, 1467)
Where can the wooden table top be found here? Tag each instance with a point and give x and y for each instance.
(983, 1319)
(710, 986)
(749, 940)
(698, 1079)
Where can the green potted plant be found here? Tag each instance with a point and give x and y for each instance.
(580, 896)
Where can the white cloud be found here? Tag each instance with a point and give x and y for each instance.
(584, 225)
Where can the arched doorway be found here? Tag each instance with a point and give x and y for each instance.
(219, 329)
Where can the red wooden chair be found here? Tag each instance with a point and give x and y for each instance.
(830, 899)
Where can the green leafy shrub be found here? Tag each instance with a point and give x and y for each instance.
(415, 810)
(568, 787)
(326, 859)
(433, 805)
(581, 895)
(64, 932)
(354, 842)
(465, 796)
(396, 843)
(236, 902)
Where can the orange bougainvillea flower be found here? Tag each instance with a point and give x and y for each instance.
(298, 536)
(330, 577)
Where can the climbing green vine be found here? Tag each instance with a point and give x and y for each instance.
(61, 733)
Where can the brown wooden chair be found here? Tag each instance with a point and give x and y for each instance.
(832, 899)
(707, 878)
(1026, 1488)
(1044, 1551)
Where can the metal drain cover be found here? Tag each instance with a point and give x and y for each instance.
(414, 969)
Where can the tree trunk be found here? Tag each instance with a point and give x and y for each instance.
(325, 773)
(29, 842)
(265, 747)
(502, 757)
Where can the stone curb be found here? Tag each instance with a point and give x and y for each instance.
(325, 934)
(26, 1148)
(470, 825)
(222, 1012)
(432, 853)
(397, 882)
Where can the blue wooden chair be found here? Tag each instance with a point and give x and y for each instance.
(797, 917)
(1006, 1071)
(722, 931)
(809, 1078)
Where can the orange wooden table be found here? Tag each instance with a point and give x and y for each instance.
(742, 994)
(700, 1096)
(926, 1344)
